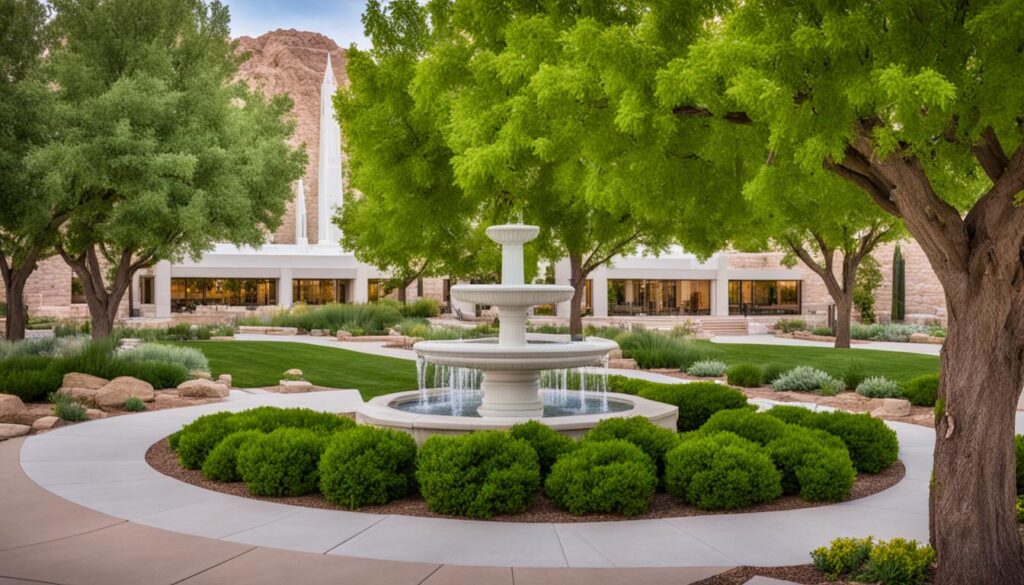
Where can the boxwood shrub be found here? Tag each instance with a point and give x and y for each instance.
(612, 476)
(367, 465)
(653, 440)
(873, 445)
(773, 372)
(284, 462)
(477, 475)
(745, 375)
(222, 462)
(922, 390)
(796, 415)
(548, 443)
(753, 426)
(721, 471)
(697, 401)
(813, 463)
(196, 439)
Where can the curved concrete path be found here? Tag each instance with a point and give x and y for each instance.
(918, 348)
(101, 465)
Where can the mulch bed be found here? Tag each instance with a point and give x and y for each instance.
(803, 574)
(160, 457)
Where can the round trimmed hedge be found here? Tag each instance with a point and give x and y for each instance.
(613, 476)
(721, 471)
(284, 462)
(697, 401)
(813, 463)
(222, 462)
(754, 426)
(745, 375)
(794, 415)
(653, 440)
(367, 465)
(921, 390)
(479, 475)
(872, 444)
(196, 439)
(548, 443)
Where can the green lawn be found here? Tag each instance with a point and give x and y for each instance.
(893, 365)
(254, 364)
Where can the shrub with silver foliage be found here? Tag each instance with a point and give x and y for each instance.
(802, 379)
(707, 369)
(879, 387)
(192, 359)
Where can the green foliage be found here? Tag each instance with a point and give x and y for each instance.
(790, 325)
(823, 331)
(627, 385)
(222, 462)
(831, 387)
(899, 562)
(179, 332)
(844, 556)
(67, 408)
(879, 387)
(868, 279)
(854, 374)
(1018, 443)
(653, 440)
(796, 449)
(372, 318)
(282, 463)
(773, 372)
(795, 415)
(886, 331)
(367, 465)
(921, 390)
(613, 476)
(421, 308)
(707, 368)
(697, 401)
(752, 426)
(134, 404)
(188, 358)
(478, 475)
(745, 375)
(548, 443)
(195, 440)
(652, 349)
(873, 445)
(1019, 508)
(721, 471)
(801, 379)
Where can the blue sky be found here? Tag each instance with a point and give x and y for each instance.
(338, 19)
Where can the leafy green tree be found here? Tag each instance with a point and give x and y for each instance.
(29, 216)
(869, 278)
(919, 105)
(166, 154)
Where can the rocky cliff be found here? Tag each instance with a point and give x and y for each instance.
(293, 62)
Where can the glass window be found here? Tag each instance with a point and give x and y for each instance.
(764, 297)
(318, 291)
(188, 293)
(373, 290)
(659, 297)
(77, 291)
(146, 292)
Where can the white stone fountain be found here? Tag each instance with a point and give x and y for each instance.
(511, 365)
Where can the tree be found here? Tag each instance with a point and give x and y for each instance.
(29, 216)
(403, 213)
(822, 222)
(165, 153)
(869, 278)
(919, 105)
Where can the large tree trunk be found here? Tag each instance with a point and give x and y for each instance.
(973, 524)
(844, 310)
(578, 280)
(103, 300)
(15, 326)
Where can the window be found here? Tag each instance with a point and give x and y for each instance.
(146, 290)
(659, 297)
(77, 291)
(764, 297)
(373, 290)
(318, 291)
(419, 288)
(188, 293)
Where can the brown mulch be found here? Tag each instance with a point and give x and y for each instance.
(803, 574)
(849, 401)
(160, 457)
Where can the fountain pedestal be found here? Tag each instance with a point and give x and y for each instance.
(511, 393)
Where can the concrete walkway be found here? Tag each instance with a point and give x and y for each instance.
(919, 348)
(100, 465)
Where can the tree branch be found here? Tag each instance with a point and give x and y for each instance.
(699, 112)
(990, 154)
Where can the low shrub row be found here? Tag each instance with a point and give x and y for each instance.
(651, 349)
(872, 445)
(896, 562)
(357, 319)
(697, 401)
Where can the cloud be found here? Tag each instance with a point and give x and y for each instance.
(338, 19)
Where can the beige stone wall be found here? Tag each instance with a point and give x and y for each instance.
(48, 292)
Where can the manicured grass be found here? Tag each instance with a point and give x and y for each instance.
(891, 364)
(254, 364)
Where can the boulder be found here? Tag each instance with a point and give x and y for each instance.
(294, 386)
(202, 389)
(615, 354)
(224, 379)
(10, 431)
(120, 389)
(11, 408)
(293, 372)
(46, 423)
(893, 407)
(319, 332)
(925, 338)
(86, 396)
(94, 413)
(200, 375)
(622, 364)
(343, 335)
(76, 380)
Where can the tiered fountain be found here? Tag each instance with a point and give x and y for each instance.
(510, 366)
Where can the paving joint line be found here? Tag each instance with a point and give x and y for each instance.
(561, 547)
(328, 551)
(29, 580)
(588, 543)
(210, 568)
(700, 540)
(118, 523)
(268, 522)
(431, 574)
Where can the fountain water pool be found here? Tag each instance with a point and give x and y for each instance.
(496, 383)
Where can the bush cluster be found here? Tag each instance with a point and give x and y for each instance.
(358, 319)
(222, 462)
(657, 350)
(721, 471)
(134, 404)
(67, 408)
(879, 387)
(813, 463)
(548, 443)
(790, 325)
(613, 476)
(773, 372)
(922, 390)
(707, 368)
(421, 308)
(745, 375)
(896, 562)
(854, 374)
(479, 475)
(187, 357)
(179, 332)
(653, 440)
(284, 462)
(697, 401)
(872, 445)
(753, 426)
(802, 379)
(887, 331)
(367, 465)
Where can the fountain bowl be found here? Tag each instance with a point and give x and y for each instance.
(383, 411)
(536, 354)
(511, 295)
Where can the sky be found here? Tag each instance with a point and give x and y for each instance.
(338, 19)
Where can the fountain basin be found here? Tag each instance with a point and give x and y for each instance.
(383, 411)
(512, 295)
(487, 354)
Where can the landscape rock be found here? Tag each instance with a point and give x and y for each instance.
(293, 372)
(120, 389)
(11, 408)
(294, 386)
(46, 423)
(343, 335)
(76, 380)
(622, 364)
(10, 431)
(319, 332)
(202, 389)
(615, 354)
(94, 413)
(925, 338)
(200, 375)
(224, 379)
(893, 407)
(86, 396)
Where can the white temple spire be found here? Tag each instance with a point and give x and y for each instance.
(301, 229)
(330, 187)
